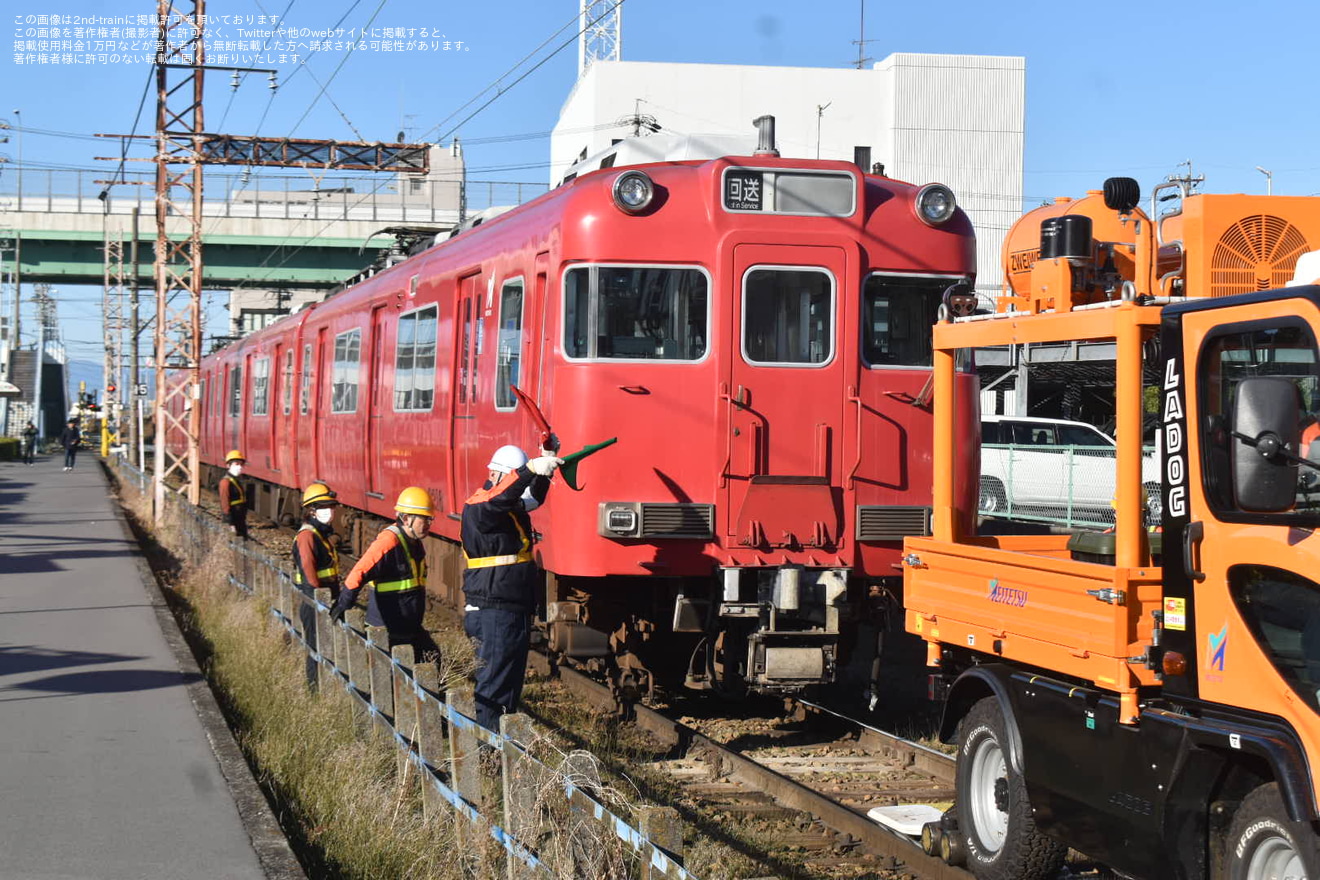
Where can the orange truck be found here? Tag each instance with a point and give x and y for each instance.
(1148, 698)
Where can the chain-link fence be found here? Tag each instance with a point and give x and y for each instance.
(1072, 486)
(435, 731)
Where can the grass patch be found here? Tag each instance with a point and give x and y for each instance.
(350, 813)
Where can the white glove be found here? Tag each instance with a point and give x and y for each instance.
(544, 466)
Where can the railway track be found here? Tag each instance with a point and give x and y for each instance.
(807, 786)
(809, 791)
(817, 786)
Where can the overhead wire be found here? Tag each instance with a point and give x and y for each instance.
(374, 190)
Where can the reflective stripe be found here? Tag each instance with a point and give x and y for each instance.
(509, 559)
(242, 498)
(418, 579)
(321, 573)
(523, 555)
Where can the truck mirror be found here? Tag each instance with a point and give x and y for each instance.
(1265, 432)
(959, 300)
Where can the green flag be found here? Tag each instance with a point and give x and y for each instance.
(569, 467)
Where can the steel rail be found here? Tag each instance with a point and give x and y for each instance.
(783, 790)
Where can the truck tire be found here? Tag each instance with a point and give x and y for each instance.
(992, 499)
(1263, 843)
(994, 815)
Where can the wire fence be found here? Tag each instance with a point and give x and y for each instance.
(1072, 486)
(436, 733)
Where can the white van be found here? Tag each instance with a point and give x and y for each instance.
(1040, 468)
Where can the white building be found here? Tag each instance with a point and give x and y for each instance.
(953, 119)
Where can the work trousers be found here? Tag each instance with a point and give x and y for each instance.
(238, 519)
(502, 640)
(29, 452)
(69, 455)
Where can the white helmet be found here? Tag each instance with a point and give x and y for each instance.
(507, 459)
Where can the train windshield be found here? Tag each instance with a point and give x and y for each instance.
(635, 313)
(897, 315)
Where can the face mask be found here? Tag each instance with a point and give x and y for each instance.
(236, 469)
(324, 515)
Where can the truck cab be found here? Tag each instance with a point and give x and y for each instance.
(1158, 712)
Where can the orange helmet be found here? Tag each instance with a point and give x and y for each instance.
(235, 455)
(414, 500)
(319, 493)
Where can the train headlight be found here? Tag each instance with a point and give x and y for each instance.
(935, 204)
(620, 519)
(633, 192)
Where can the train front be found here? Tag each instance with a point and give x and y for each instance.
(756, 333)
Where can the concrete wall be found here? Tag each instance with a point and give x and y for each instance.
(956, 119)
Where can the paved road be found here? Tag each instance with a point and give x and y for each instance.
(105, 769)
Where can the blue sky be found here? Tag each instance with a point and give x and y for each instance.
(1120, 88)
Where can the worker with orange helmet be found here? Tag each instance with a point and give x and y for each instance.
(501, 576)
(315, 560)
(233, 498)
(394, 566)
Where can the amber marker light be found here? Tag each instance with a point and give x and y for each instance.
(1174, 663)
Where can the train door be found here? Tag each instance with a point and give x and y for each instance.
(786, 396)
(234, 406)
(320, 397)
(536, 311)
(279, 406)
(376, 405)
(467, 314)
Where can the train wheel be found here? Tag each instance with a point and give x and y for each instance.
(1264, 844)
(994, 815)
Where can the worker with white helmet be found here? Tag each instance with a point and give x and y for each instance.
(501, 577)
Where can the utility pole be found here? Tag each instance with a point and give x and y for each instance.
(112, 310)
(135, 330)
(179, 263)
(820, 111)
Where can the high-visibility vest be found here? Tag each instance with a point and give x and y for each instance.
(332, 571)
(242, 496)
(417, 569)
(523, 555)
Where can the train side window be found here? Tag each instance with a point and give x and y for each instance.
(898, 313)
(261, 386)
(414, 361)
(305, 394)
(788, 316)
(641, 313)
(508, 344)
(235, 391)
(287, 391)
(348, 352)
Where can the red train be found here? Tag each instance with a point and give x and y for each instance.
(754, 330)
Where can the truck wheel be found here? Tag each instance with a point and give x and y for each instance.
(993, 498)
(994, 815)
(1264, 843)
